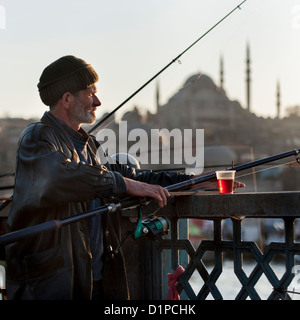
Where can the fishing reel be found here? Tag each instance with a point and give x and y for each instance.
(152, 227)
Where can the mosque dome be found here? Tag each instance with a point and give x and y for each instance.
(200, 80)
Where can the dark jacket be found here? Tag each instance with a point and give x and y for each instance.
(51, 183)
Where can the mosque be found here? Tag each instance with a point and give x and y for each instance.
(200, 103)
(232, 133)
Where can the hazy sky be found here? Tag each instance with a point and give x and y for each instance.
(127, 42)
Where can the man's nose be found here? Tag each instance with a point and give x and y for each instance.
(96, 101)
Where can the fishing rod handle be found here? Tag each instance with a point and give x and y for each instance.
(54, 225)
(21, 234)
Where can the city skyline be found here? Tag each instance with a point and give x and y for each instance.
(127, 43)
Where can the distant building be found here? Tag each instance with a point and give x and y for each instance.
(201, 104)
(10, 130)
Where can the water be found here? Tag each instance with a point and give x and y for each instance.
(229, 285)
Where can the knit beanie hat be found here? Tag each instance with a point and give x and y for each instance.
(67, 74)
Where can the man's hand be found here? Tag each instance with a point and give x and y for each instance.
(142, 189)
(213, 184)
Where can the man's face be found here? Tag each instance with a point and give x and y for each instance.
(85, 104)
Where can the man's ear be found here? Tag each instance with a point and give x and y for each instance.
(67, 99)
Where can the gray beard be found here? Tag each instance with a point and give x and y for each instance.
(81, 115)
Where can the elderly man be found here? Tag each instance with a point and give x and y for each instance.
(58, 175)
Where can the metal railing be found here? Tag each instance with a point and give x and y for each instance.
(149, 262)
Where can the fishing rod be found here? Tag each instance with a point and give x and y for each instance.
(164, 68)
(185, 184)
(154, 226)
(151, 227)
(55, 225)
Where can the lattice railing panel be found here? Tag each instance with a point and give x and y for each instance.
(238, 249)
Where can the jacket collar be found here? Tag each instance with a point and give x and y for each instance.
(65, 132)
(60, 128)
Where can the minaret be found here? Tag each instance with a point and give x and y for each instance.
(221, 73)
(248, 80)
(278, 99)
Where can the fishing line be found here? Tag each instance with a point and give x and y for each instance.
(113, 121)
(164, 68)
(279, 165)
(240, 176)
(230, 38)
